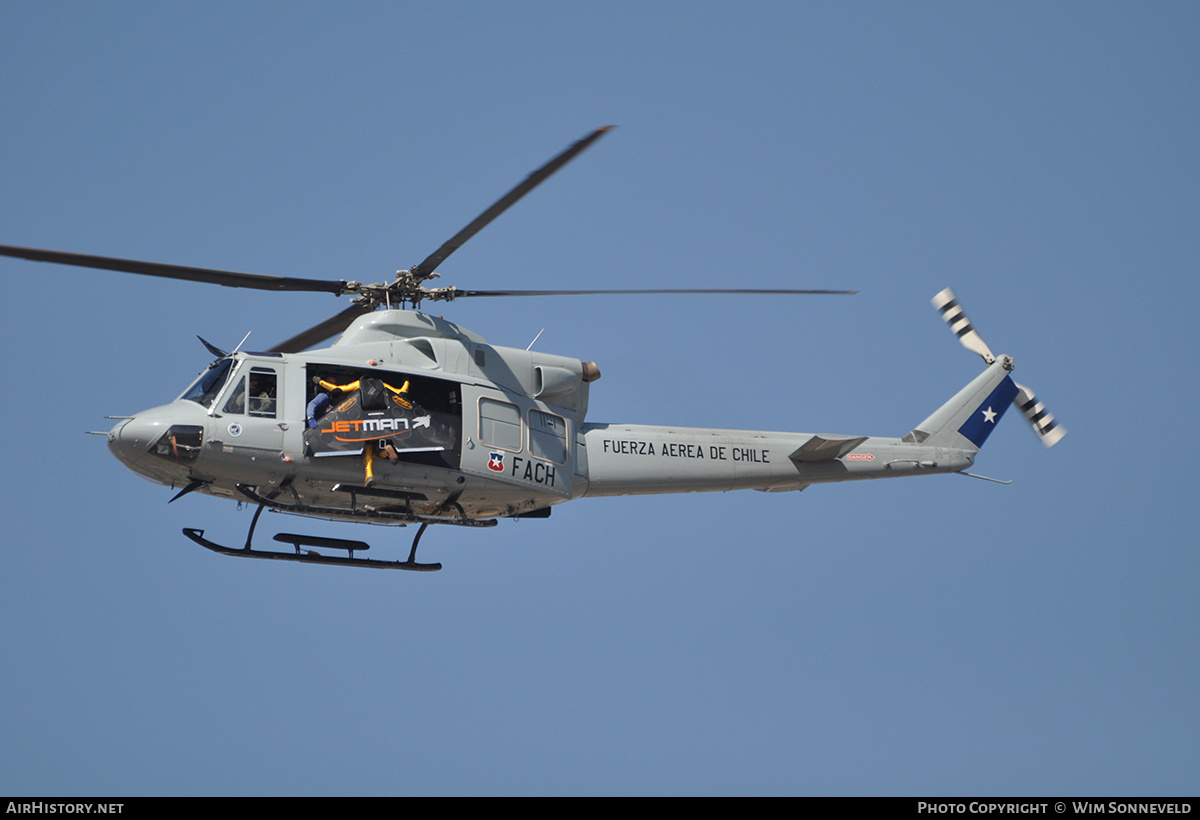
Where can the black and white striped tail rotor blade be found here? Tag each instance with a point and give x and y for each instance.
(952, 312)
(1048, 430)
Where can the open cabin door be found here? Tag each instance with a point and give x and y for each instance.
(418, 419)
(516, 440)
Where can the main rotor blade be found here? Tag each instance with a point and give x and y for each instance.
(230, 279)
(319, 333)
(429, 265)
(460, 293)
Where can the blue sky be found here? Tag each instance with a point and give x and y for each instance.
(934, 636)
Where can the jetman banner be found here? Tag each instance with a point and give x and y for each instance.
(371, 411)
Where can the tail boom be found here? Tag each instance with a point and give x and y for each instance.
(632, 459)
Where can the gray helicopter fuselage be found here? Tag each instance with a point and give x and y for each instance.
(511, 436)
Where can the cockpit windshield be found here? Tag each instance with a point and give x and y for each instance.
(205, 389)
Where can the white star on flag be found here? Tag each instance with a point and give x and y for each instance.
(989, 415)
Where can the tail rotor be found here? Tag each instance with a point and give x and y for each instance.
(1048, 430)
(947, 304)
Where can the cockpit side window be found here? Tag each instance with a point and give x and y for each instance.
(262, 398)
(236, 403)
(259, 400)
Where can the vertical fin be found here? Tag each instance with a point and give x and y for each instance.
(968, 419)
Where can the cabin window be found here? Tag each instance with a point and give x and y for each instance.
(548, 436)
(500, 425)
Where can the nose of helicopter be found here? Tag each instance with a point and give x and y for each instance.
(130, 439)
(155, 444)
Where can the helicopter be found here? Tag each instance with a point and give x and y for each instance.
(408, 418)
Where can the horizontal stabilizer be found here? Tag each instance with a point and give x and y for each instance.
(825, 449)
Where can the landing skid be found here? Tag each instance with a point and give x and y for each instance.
(307, 556)
(310, 557)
